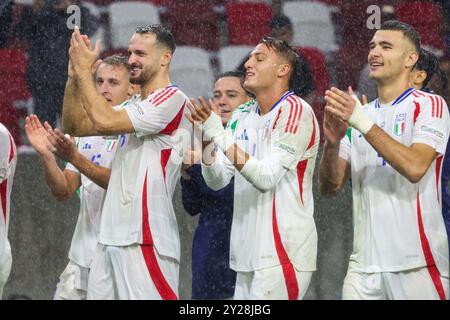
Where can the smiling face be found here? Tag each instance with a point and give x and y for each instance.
(391, 54)
(228, 95)
(112, 82)
(262, 67)
(146, 58)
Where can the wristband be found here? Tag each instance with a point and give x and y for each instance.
(213, 129)
(358, 119)
(248, 171)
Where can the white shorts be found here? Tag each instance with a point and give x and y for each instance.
(72, 283)
(272, 283)
(132, 273)
(416, 284)
(5, 267)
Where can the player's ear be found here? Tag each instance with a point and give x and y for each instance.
(166, 58)
(419, 78)
(284, 69)
(411, 59)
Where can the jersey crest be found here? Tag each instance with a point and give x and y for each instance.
(400, 124)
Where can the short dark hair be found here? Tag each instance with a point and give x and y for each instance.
(280, 21)
(408, 31)
(163, 35)
(296, 82)
(235, 74)
(427, 62)
(282, 47)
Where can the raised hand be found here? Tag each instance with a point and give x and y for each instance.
(340, 103)
(64, 145)
(38, 136)
(214, 107)
(71, 71)
(334, 128)
(199, 114)
(82, 57)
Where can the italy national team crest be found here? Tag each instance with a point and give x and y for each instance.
(399, 124)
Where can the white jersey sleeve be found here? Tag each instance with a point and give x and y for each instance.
(219, 174)
(345, 148)
(5, 163)
(294, 133)
(432, 125)
(293, 136)
(159, 113)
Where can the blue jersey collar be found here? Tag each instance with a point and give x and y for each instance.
(287, 94)
(401, 98)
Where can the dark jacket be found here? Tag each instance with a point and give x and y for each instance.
(212, 277)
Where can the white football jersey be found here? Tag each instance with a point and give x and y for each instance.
(8, 161)
(138, 205)
(398, 225)
(99, 150)
(272, 227)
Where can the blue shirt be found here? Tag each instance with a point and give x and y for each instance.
(212, 277)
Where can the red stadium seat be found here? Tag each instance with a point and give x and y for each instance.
(194, 23)
(321, 78)
(426, 18)
(13, 88)
(247, 22)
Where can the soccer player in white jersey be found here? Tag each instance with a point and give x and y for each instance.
(393, 154)
(88, 171)
(8, 162)
(139, 252)
(269, 146)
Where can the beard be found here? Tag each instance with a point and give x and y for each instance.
(146, 75)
